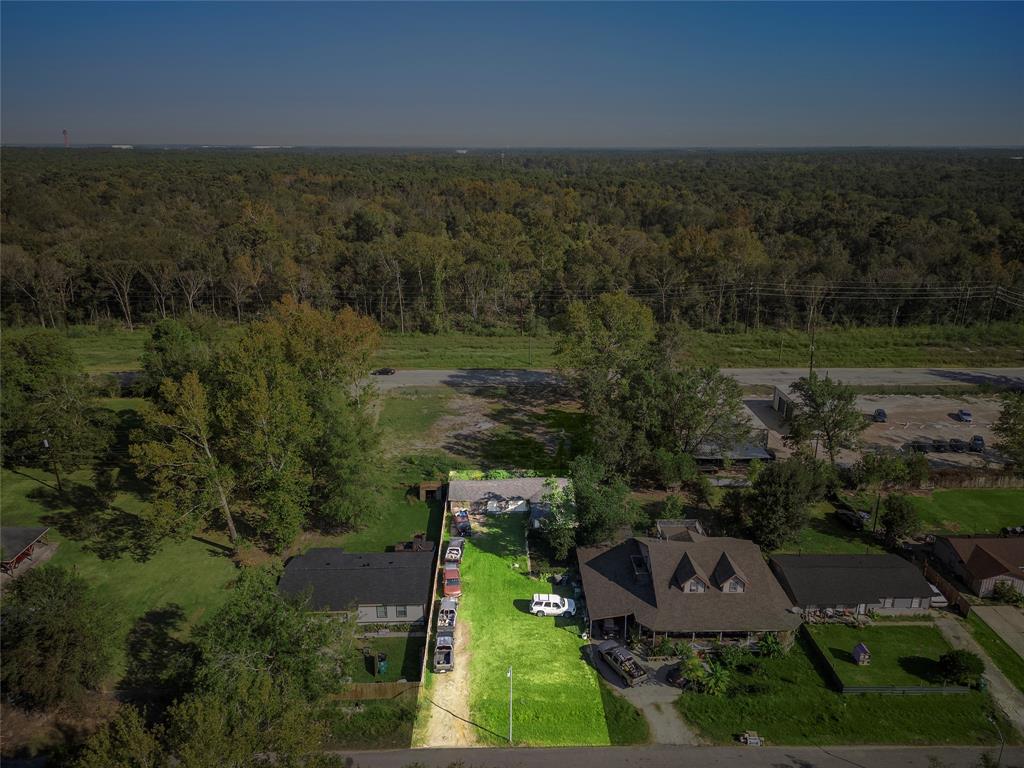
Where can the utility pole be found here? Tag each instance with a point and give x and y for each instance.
(510, 704)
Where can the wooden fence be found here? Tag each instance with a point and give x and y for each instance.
(975, 478)
(948, 590)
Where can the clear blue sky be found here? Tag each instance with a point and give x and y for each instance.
(524, 74)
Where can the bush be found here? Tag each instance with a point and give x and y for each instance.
(961, 667)
(1005, 593)
(771, 647)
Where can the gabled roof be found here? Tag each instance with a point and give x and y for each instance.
(339, 581)
(533, 489)
(988, 556)
(725, 570)
(15, 540)
(825, 580)
(612, 588)
(687, 569)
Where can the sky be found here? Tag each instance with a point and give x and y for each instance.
(516, 74)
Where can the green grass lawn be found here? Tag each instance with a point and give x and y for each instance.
(405, 659)
(971, 511)
(825, 534)
(384, 724)
(558, 697)
(998, 344)
(788, 702)
(900, 655)
(1004, 657)
(409, 412)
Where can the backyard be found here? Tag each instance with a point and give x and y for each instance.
(558, 697)
(404, 658)
(787, 701)
(900, 655)
(971, 511)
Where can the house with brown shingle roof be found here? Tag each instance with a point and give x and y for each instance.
(981, 562)
(712, 587)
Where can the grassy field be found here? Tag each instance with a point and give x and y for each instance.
(900, 655)
(825, 534)
(788, 702)
(385, 724)
(405, 657)
(971, 511)
(558, 696)
(1007, 659)
(998, 344)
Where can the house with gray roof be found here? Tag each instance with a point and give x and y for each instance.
(857, 583)
(379, 587)
(498, 497)
(704, 586)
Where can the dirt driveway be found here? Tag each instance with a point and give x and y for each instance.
(449, 724)
(1006, 621)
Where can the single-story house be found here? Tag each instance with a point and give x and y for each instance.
(520, 494)
(717, 587)
(381, 587)
(981, 562)
(860, 583)
(17, 545)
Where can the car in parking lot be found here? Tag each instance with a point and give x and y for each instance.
(956, 445)
(921, 445)
(965, 416)
(552, 605)
(977, 444)
(940, 445)
(880, 416)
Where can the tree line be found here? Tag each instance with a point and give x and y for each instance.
(430, 242)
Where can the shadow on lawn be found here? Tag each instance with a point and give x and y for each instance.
(501, 539)
(160, 666)
(830, 526)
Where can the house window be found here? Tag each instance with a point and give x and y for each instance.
(915, 602)
(403, 611)
(735, 585)
(382, 611)
(696, 585)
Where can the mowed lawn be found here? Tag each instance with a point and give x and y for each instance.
(557, 695)
(787, 701)
(971, 511)
(900, 655)
(825, 534)
(1003, 656)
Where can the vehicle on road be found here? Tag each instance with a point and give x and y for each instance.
(880, 416)
(452, 581)
(977, 444)
(552, 605)
(938, 599)
(965, 416)
(447, 613)
(453, 554)
(956, 445)
(625, 664)
(384, 372)
(444, 652)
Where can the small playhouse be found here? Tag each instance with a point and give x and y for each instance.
(861, 654)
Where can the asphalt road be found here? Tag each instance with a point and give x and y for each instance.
(668, 756)
(781, 377)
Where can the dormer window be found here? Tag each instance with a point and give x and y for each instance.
(696, 585)
(736, 585)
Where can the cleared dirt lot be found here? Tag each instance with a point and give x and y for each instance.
(911, 417)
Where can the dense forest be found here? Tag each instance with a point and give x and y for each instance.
(492, 241)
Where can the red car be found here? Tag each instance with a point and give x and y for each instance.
(452, 581)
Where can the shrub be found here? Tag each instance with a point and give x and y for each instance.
(961, 667)
(771, 647)
(1005, 593)
(665, 647)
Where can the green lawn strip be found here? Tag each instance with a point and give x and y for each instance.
(971, 511)
(409, 412)
(900, 655)
(459, 350)
(379, 724)
(788, 702)
(405, 655)
(557, 695)
(626, 724)
(1002, 655)
(826, 534)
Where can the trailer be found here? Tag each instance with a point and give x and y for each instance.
(622, 660)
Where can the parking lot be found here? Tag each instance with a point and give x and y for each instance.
(910, 418)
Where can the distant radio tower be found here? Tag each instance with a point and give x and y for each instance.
(67, 138)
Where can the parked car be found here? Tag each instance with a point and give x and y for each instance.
(622, 660)
(881, 417)
(977, 444)
(851, 519)
(452, 581)
(922, 445)
(447, 613)
(552, 605)
(1016, 530)
(455, 548)
(940, 445)
(956, 445)
(444, 652)
(965, 416)
(464, 528)
(384, 372)
(938, 599)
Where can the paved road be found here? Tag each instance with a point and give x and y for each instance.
(783, 377)
(666, 756)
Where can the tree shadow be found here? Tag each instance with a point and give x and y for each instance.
(87, 514)
(922, 667)
(505, 541)
(830, 526)
(160, 666)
